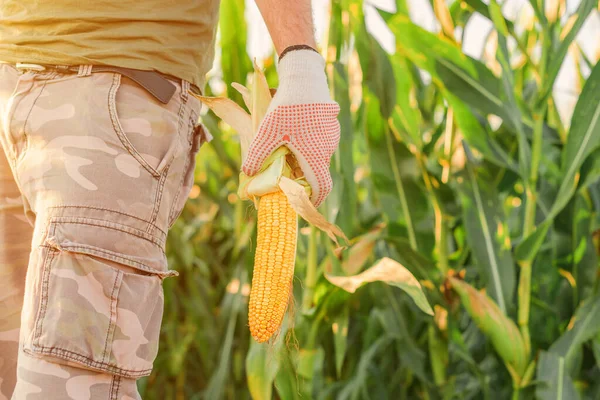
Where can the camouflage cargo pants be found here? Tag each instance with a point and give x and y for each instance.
(94, 171)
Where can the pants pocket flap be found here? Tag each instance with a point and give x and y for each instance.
(110, 241)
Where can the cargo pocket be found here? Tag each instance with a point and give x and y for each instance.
(102, 299)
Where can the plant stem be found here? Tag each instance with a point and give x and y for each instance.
(441, 228)
(515, 395)
(553, 111)
(412, 237)
(524, 291)
(536, 151)
(448, 139)
(311, 270)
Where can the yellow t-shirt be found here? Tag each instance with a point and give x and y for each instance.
(173, 37)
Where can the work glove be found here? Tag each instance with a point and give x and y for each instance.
(303, 117)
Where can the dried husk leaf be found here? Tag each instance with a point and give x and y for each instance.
(388, 271)
(300, 202)
(234, 115)
(501, 330)
(261, 97)
(246, 95)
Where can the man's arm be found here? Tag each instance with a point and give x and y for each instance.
(301, 116)
(289, 22)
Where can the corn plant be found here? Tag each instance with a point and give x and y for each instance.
(456, 170)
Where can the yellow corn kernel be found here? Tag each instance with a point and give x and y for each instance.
(273, 265)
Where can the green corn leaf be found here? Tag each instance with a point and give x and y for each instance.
(584, 255)
(438, 354)
(586, 327)
(475, 135)
(385, 155)
(596, 349)
(484, 92)
(487, 235)
(590, 170)
(539, 12)
(235, 62)
(557, 56)
(376, 65)
(397, 326)
(482, 8)
(354, 388)
(501, 330)
(402, 7)
(310, 369)
(428, 51)
(340, 339)
(405, 118)
(514, 114)
(218, 382)
(425, 48)
(583, 140)
(344, 157)
(554, 383)
(287, 384)
(261, 369)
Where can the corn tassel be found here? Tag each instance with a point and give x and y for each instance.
(273, 265)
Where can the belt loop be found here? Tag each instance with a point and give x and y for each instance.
(85, 70)
(185, 86)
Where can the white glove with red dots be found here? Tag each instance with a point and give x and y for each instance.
(303, 117)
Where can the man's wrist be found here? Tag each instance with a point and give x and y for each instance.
(295, 48)
(302, 79)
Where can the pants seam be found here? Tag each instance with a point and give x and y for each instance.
(179, 186)
(112, 321)
(181, 114)
(80, 358)
(177, 194)
(26, 137)
(45, 289)
(158, 199)
(84, 221)
(114, 387)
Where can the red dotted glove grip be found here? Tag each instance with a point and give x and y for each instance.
(310, 131)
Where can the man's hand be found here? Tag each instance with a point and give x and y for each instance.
(302, 116)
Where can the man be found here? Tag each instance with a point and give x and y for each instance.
(99, 136)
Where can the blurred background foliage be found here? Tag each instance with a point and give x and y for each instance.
(462, 170)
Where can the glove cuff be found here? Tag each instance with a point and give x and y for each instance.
(302, 79)
(296, 47)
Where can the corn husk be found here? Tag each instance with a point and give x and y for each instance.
(279, 171)
(501, 330)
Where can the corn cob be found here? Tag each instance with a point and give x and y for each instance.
(273, 265)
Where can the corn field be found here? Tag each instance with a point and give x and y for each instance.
(460, 170)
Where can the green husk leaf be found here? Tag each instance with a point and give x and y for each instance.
(501, 330)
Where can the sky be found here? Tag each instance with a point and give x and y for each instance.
(476, 33)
